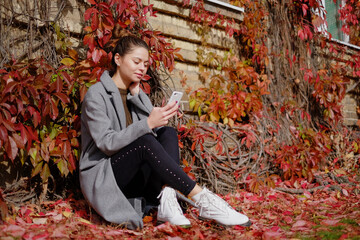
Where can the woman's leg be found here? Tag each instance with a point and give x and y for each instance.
(168, 138)
(128, 162)
(147, 150)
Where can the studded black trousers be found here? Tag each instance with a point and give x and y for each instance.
(144, 166)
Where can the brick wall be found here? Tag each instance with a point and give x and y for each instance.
(351, 102)
(172, 19)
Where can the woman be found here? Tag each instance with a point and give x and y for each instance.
(128, 152)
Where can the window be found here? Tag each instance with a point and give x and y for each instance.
(334, 23)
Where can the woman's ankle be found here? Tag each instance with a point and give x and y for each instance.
(197, 189)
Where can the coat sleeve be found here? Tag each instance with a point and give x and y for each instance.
(99, 125)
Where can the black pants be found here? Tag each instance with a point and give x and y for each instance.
(143, 167)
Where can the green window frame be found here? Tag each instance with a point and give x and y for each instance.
(334, 23)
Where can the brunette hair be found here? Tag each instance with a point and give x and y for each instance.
(125, 45)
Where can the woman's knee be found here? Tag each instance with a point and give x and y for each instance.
(145, 139)
(168, 131)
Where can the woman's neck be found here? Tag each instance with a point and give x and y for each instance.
(119, 82)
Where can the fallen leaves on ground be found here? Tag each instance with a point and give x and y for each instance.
(323, 214)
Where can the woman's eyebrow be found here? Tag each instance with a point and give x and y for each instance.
(141, 59)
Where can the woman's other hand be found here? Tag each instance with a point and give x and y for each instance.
(160, 116)
(134, 88)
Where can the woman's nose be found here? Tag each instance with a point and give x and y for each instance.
(142, 67)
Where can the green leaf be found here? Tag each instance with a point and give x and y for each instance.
(192, 103)
(199, 111)
(53, 133)
(45, 173)
(22, 156)
(37, 169)
(33, 153)
(62, 166)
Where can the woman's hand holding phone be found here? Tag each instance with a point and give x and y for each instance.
(160, 115)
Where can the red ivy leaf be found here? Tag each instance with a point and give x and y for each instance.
(66, 77)
(9, 125)
(71, 163)
(18, 140)
(11, 148)
(146, 78)
(304, 9)
(54, 109)
(145, 87)
(96, 55)
(89, 12)
(90, 41)
(3, 133)
(83, 91)
(65, 99)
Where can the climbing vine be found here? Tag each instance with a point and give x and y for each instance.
(277, 110)
(269, 110)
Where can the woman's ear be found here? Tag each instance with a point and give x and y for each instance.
(117, 59)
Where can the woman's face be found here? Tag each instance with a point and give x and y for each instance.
(133, 66)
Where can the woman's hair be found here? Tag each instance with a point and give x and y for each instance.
(125, 45)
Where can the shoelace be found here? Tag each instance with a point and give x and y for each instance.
(210, 198)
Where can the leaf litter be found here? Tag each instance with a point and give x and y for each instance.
(323, 214)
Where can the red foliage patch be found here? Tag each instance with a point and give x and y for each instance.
(274, 214)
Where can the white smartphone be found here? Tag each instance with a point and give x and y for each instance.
(176, 96)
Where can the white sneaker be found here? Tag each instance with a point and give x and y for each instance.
(169, 209)
(212, 207)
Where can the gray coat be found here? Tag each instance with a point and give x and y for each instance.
(103, 133)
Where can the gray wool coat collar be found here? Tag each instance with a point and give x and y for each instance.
(104, 133)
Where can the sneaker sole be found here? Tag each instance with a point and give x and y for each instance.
(247, 224)
(182, 226)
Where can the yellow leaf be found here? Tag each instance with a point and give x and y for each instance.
(231, 122)
(67, 214)
(67, 61)
(84, 221)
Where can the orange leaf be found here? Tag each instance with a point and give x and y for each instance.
(73, 54)
(193, 146)
(147, 219)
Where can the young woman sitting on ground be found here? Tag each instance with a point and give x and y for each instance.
(128, 152)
